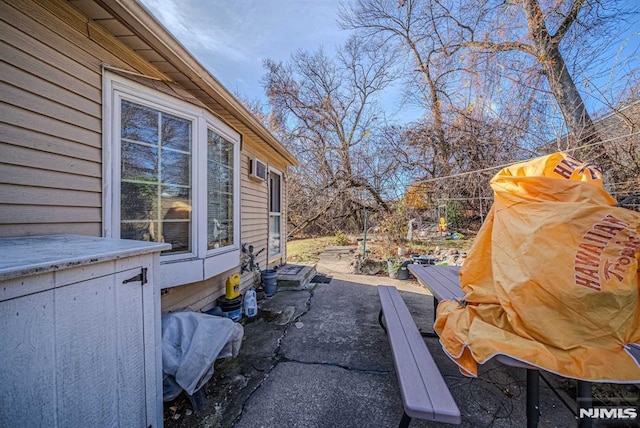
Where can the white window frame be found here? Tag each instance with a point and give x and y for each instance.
(216, 258)
(198, 264)
(274, 257)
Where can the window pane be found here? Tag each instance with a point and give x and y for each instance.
(139, 201)
(226, 153)
(176, 202)
(274, 235)
(274, 196)
(176, 217)
(226, 180)
(213, 177)
(176, 168)
(155, 183)
(226, 237)
(139, 162)
(220, 191)
(146, 231)
(176, 133)
(213, 210)
(220, 234)
(138, 209)
(226, 207)
(274, 217)
(139, 123)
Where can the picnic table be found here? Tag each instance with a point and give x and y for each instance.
(444, 284)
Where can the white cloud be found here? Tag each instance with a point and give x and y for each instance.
(231, 37)
(194, 24)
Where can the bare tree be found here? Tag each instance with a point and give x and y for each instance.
(328, 107)
(415, 29)
(545, 31)
(462, 129)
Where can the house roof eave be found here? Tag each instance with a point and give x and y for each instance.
(141, 23)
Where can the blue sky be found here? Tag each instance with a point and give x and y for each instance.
(232, 37)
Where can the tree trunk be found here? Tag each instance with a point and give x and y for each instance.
(573, 110)
(441, 158)
(575, 114)
(442, 145)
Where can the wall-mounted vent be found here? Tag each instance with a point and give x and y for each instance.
(257, 169)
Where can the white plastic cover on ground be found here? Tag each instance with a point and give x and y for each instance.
(191, 342)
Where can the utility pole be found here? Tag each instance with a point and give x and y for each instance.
(364, 240)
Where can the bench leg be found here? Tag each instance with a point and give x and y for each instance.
(585, 401)
(430, 333)
(404, 422)
(533, 398)
(380, 321)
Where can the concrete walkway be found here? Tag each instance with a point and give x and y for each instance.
(318, 358)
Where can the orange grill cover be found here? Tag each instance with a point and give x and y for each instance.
(552, 278)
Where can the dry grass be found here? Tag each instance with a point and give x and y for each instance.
(307, 250)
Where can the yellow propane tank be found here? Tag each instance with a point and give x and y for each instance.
(233, 287)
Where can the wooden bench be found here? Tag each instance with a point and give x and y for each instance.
(424, 392)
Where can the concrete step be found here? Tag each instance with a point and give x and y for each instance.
(295, 276)
(340, 250)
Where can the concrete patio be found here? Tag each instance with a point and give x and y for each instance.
(316, 357)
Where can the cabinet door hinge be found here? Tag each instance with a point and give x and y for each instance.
(142, 277)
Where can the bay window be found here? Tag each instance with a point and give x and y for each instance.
(171, 173)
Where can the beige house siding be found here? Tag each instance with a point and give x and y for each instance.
(254, 212)
(51, 130)
(198, 296)
(51, 117)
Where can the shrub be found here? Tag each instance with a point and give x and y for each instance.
(341, 238)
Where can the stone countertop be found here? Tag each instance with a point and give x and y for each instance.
(30, 255)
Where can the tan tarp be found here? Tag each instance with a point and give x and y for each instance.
(552, 279)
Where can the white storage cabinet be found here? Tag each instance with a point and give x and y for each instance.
(79, 336)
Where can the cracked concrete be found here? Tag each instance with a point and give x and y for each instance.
(318, 358)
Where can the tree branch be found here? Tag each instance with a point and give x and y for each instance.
(501, 47)
(576, 6)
